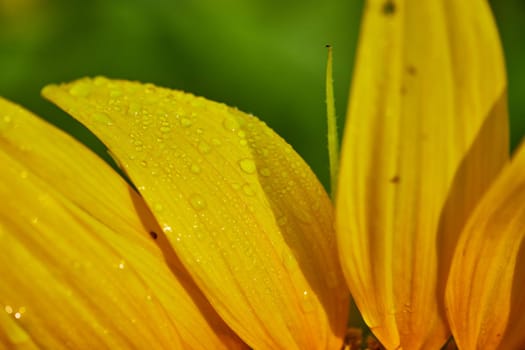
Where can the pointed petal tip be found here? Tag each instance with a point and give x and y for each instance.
(270, 214)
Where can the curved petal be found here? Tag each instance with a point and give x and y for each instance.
(426, 133)
(79, 268)
(244, 213)
(485, 303)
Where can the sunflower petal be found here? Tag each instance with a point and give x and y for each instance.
(426, 133)
(79, 269)
(485, 302)
(244, 213)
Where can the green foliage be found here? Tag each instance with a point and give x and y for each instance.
(265, 57)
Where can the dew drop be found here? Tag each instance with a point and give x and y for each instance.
(8, 309)
(195, 168)
(115, 93)
(185, 122)
(134, 109)
(230, 123)
(121, 265)
(306, 302)
(265, 172)
(248, 190)
(204, 147)
(247, 165)
(282, 220)
(80, 89)
(289, 261)
(5, 122)
(157, 207)
(103, 118)
(165, 128)
(197, 202)
(138, 145)
(100, 80)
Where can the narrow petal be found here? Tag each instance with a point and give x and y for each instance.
(79, 268)
(485, 303)
(425, 135)
(244, 213)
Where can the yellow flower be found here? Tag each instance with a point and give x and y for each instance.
(426, 136)
(95, 268)
(225, 238)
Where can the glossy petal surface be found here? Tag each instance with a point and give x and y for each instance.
(426, 133)
(485, 289)
(79, 268)
(244, 213)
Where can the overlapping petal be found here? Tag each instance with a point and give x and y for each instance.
(485, 301)
(244, 213)
(79, 268)
(426, 133)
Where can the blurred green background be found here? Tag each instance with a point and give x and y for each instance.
(266, 57)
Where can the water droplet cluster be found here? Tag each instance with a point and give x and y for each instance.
(235, 196)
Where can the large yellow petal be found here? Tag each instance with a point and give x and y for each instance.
(425, 135)
(244, 213)
(79, 268)
(485, 302)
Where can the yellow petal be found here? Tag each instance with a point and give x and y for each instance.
(79, 268)
(425, 135)
(244, 213)
(485, 288)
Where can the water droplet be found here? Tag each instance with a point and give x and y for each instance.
(100, 80)
(241, 134)
(138, 145)
(282, 220)
(134, 109)
(247, 165)
(121, 265)
(248, 190)
(144, 163)
(103, 118)
(23, 174)
(157, 207)
(115, 93)
(197, 202)
(80, 89)
(204, 147)
(230, 123)
(195, 168)
(8, 309)
(265, 172)
(289, 261)
(306, 302)
(165, 127)
(185, 122)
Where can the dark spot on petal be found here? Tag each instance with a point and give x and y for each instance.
(411, 70)
(153, 234)
(395, 179)
(389, 7)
